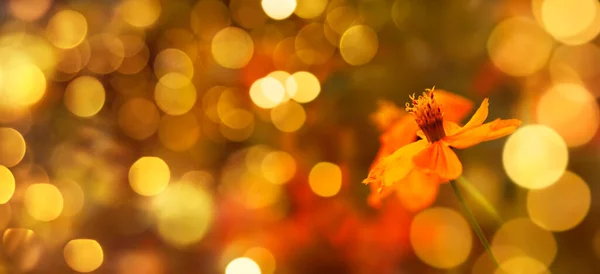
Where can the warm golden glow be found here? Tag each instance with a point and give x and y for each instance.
(7, 185)
(519, 47)
(208, 17)
(176, 61)
(242, 265)
(359, 45)
(532, 240)
(84, 96)
(179, 133)
(66, 29)
(232, 48)
(303, 87)
(149, 176)
(83, 255)
(175, 94)
(43, 202)
(140, 13)
(288, 117)
(567, 18)
(309, 9)
(278, 9)
(278, 167)
(441, 237)
(184, 214)
(535, 156)
(263, 257)
(312, 46)
(21, 83)
(73, 196)
(579, 118)
(12, 147)
(325, 179)
(138, 118)
(562, 205)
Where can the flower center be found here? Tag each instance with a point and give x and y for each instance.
(428, 115)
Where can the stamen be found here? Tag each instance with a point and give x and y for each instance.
(428, 115)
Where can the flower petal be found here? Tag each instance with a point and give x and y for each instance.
(396, 166)
(486, 132)
(451, 128)
(402, 133)
(440, 160)
(455, 106)
(479, 116)
(418, 190)
(400, 163)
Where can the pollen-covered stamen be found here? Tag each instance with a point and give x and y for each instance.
(428, 114)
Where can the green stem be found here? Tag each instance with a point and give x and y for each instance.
(473, 222)
(479, 198)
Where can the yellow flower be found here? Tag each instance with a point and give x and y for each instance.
(431, 160)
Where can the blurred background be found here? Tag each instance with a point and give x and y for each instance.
(214, 136)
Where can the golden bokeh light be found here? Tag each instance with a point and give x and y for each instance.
(175, 94)
(136, 52)
(184, 214)
(263, 258)
(7, 185)
(73, 196)
(566, 18)
(83, 255)
(312, 46)
(232, 48)
(84, 96)
(29, 10)
(309, 9)
(138, 118)
(12, 147)
(562, 205)
(73, 60)
(325, 179)
(288, 117)
(106, 53)
(43, 202)
(484, 264)
(441, 237)
(342, 17)
(242, 265)
(529, 238)
(199, 177)
(278, 167)
(173, 60)
(535, 156)
(576, 64)
(247, 13)
(23, 247)
(267, 92)
(179, 133)
(149, 176)
(181, 39)
(140, 13)
(522, 265)
(208, 17)
(303, 86)
(577, 38)
(359, 45)
(66, 29)
(278, 9)
(21, 83)
(579, 118)
(141, 261)
(519, 47)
